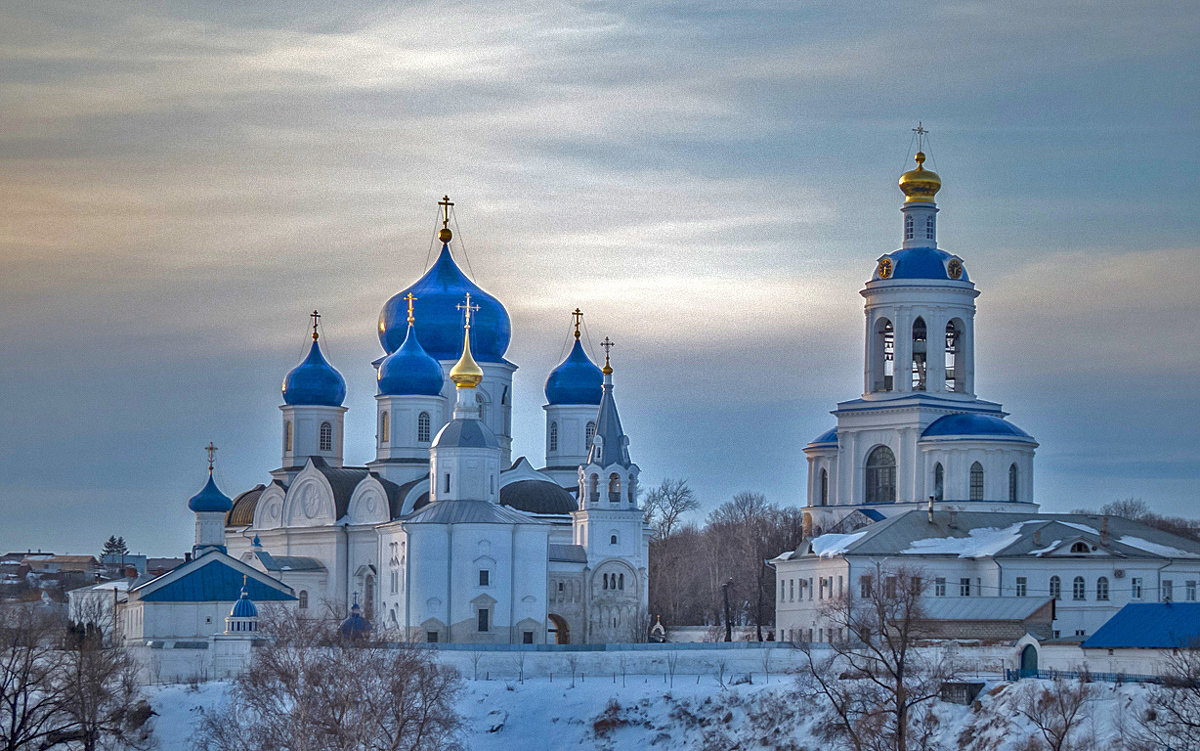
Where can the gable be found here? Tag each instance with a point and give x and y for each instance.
(215, 580)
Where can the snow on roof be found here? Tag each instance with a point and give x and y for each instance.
(1042, 551)
(829, 545)
(1165, 551)
(980, 543)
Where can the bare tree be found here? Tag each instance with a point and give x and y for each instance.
(666, 504)
(29, 710)
(309, 689)
(1172, 717)
(872, 676)
(1057, 711)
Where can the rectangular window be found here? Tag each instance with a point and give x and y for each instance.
(485, 577)
(964, 587)
(810, 588)
(560, 586)
(1191, 590)
(1022, 586)
(889, 588)
(1135, 588)
(447, 482)
(483, 619)
(431, 637)
(939, 586)
(527, 637)
(1080, 632)
(865, 586)
(1168, 591)
(792, 590)
(840, 586)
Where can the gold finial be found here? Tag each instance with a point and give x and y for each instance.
(608, 344)
(920, 185)
(444, 234)
(577, 314)
(315, 316)
(466, 373)
(411, 299)
(245, 579)
(211, 449)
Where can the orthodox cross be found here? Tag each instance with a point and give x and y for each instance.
(211, 449)
(577, 314)
(445, 203)
(920, 131)
(607, 344)
(315, 316)
(467, 308)
(411, 299)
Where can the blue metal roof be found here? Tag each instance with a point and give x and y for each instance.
(244, 608)
(922, 263)
(314, 381)
(438, 293)
(216, 581)
(210, 498)
(1149, 625)
(973, 425)
(410, 370)
(576, 381)
(829, 436)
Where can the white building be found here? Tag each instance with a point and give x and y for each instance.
(442, 535)
(920, 472)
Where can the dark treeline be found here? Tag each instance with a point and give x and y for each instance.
(690, 563)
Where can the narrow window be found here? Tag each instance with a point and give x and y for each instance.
(881, 475)
(612, 540)
(423, 427)
(883, 353)
(1135, 588)
(939, 482)
(606, 581)
(447, 490)
(976, 482)
(1168, 591)
(939, 587)
(1078, 589)
(929, 227)
(919, 350)
(865, 586)
(1013, 474)
(953, 335)
(792, 590)
(589, 434)
(1191, 590)
(485, 577)
(1055, 587)
(824, 487)
(303, 604)
(908, 227)
(326, 437)
(1102, 588)
(964, 587)
(554, 436)
(1022, 586)
(620, 581)
(483, 619)
(614, 488)
(594, 492)
(385, 427)
(287, 435)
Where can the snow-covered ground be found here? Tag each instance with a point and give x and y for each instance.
(697, 713)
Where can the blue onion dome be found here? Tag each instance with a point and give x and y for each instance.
(577, 380)
(314, 381)
(355, 626)
(966, 424)
(410, 370)
(921, 263)
(244, 608)
(438, 293)
(210, 498)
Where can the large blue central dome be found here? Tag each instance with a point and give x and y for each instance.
(438, 295)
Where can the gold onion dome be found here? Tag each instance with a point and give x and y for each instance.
(920, 184)
(466, 373)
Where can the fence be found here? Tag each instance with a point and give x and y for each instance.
(1016, 675)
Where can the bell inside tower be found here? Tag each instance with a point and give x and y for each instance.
(918, 355)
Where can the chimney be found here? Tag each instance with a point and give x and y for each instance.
(1104, 531)
(187, 557)
(1037, 536)
(951, 524)
(929, 509)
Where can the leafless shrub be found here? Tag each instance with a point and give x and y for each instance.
(1058, 713)
(1172, 715)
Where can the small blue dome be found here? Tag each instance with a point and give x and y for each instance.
(829, 436)
(244, 608)
(410, 370)
(974, 425)
(314, 382)
(438, 294)
(576, 380)
(355, 626)
(210, 498)
(921, 263)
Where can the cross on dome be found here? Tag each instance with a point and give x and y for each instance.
(467, 308)
(211, 449)
(315, 316)
(577, 314)
(608, 344)
(920, 131)
(411, 299)
(444, 234)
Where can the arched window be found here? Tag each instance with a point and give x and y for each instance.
(620, 581)
(594, 490)
(824, 487)
(385, 427)
(326, 437)
(939, 482)
(908, 227)
(614, 487)
(976, 482)
(606, 581)
(554, 436)
(1078, 589)
(1081, 547)
(929, 227)
(287, 435)
(1055, 587)
(612, 540)
(589, 434)
(1013, 475)
(881, 476)
(883, 352)
(953, 337)
(423, 427)
(919, 336)
(1102, 588)
(303, 604)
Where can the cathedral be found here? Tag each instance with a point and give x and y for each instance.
(442, 537)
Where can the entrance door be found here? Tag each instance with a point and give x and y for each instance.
(1029, 661)
(561, 631)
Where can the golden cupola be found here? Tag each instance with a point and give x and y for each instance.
(466, 373)
(920, 185)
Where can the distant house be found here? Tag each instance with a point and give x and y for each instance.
(53, 564)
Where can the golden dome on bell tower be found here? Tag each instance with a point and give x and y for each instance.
(920, 185)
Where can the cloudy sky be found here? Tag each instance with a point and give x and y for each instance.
(180, 183)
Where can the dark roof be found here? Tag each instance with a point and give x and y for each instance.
(288, 562)
(394, 494)
(343, 480)
(242, 513)
(402, 491)
(613, 443)
(466, 433)
(569, 553)
(537, 497)
(469, 512)
(1149, 625)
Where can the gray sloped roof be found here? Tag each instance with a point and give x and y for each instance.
(608, 430)
(288, 562)
(979, 534)
(568, 553)
(468, 512)
(537, 497)
(343, 480)
(982, 608)
(466, 433)
(402, 491)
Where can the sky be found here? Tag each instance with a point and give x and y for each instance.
(711, 182)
